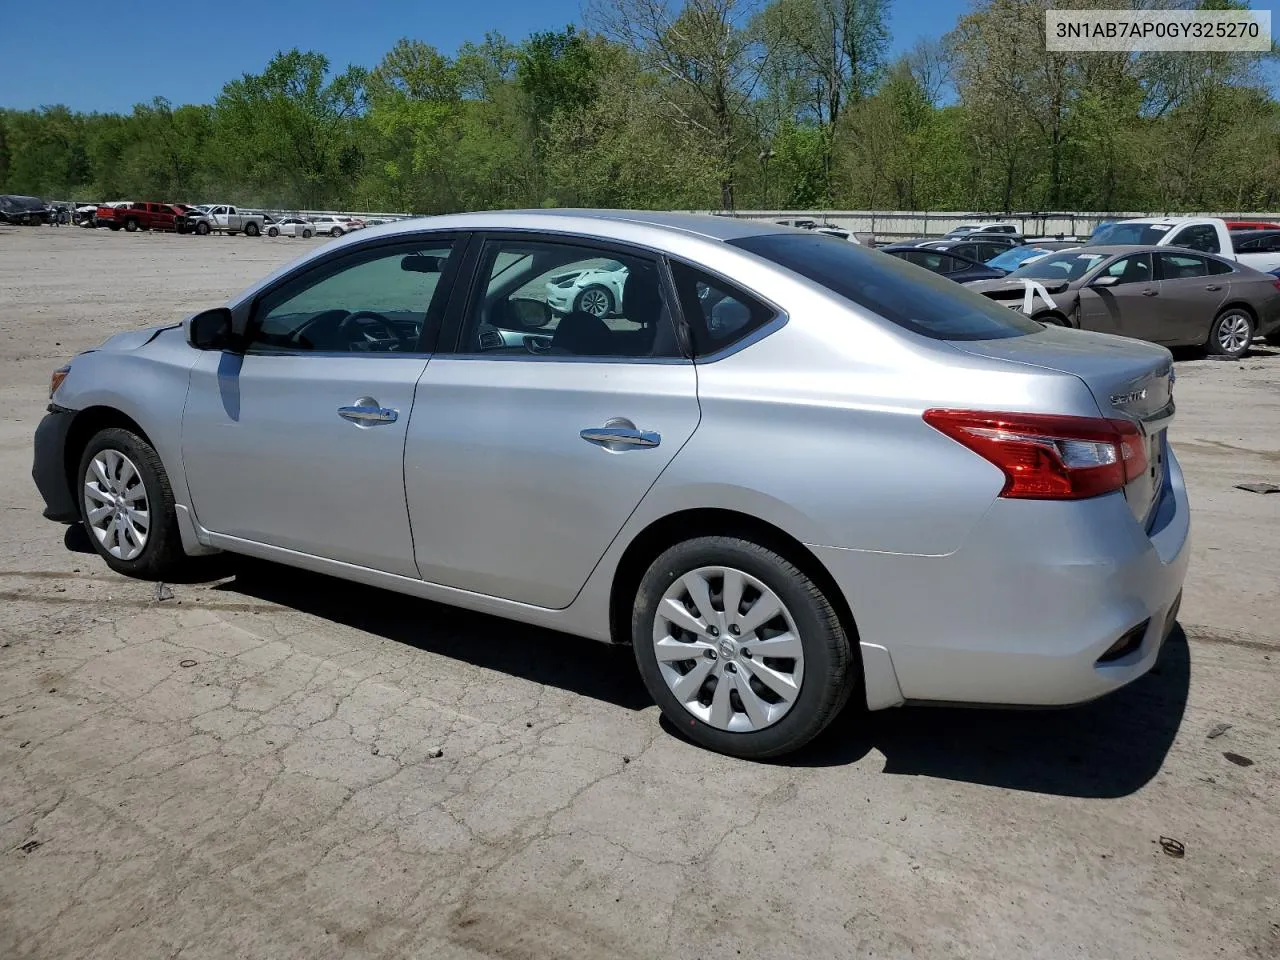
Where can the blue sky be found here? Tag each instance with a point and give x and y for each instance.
(110, 54)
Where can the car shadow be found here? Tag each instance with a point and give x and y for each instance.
(1110, 747)
(585, 667)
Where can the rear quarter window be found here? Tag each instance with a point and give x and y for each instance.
(903, 294)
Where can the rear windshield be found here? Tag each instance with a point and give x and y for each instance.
(902, 293)
(1129, 234)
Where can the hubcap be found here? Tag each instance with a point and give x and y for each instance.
(742, 679)
(116, 504)
(1233, 332)
(595, 302)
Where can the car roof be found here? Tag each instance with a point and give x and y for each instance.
(588, 221)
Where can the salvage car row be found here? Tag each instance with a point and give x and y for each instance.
(1197, 282)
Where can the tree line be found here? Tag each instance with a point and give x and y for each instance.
(697, 104)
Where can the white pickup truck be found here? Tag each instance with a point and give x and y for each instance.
(221, 218)
(1207, 234)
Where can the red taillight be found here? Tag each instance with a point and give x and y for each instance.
(1049, 457)
(1276, 283)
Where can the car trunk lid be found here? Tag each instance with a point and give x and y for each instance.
(1128, 379)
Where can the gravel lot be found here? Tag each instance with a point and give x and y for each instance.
(253, 768)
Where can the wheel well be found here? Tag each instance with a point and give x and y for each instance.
(86, 423)
(1240, 305)
(687, 524)
(1052, 316)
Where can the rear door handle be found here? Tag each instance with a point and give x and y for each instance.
(368, 415)
(622, 436)
(1214, 286)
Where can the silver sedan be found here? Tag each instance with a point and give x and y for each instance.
(789, 471)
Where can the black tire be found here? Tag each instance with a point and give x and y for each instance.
(162, 554)
(336, 232)
(232, 233)
(307, 233)
(273, 231)
(1220, 344)
(830, 669)
(595, 290)
(1274, 338)
(202, 228)
(131, 225)
(114, 226)
(251, 229)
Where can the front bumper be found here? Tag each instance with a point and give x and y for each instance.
(560, 299)
(1023, 611)
(49, 469)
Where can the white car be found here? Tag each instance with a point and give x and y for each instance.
(333, 226)
(969, 229)
(597, 290)
(290, 227)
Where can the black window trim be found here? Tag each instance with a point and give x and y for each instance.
(468, 288)
(245, 314)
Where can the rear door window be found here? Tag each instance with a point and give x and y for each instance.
(930, 306)
(1177, 266)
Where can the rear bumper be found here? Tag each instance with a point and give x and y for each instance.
(49, 469)
(1023, 611)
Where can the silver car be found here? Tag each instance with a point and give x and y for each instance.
(788, 471)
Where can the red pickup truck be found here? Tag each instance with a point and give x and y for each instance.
(139, 216)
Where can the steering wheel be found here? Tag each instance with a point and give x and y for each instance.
(361, 329)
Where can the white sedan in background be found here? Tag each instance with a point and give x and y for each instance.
(596, 290)
(290, 227)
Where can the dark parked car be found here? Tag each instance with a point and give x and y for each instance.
(28, 211)
(953, 266)
(1256, 241)
(1166, 295)
(979, 248)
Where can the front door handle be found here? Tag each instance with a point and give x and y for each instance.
(368, 414)
(1214, 286)
(1150, 293)
(622, 436)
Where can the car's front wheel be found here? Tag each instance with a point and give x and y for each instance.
(1231, 333)
(126, 504)
(307, 234)
(273, 231)
(335, 232)
(202, 229)
(740, 648)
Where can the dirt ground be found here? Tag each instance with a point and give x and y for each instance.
(271, 764)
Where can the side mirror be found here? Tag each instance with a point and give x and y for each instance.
(1106, 281)
(210, 330)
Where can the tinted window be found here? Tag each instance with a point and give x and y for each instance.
(718, 313)
(1129, 234)
(1218, 267)
(1202, 236)
(553, 300)
(1134, 269)
(931, 306)
(373, 302)
(1244, 246)
(1175, 266)
(969, 250)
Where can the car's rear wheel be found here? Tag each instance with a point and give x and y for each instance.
(131, 225)
(126, 504)
(251, 229)
(595, 300)
(739, 647)
(202, 229)
(1231, 333)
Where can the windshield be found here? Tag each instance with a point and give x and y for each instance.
(906, 295)
(1067, 265)
(1135, 234)
(1010, 258)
